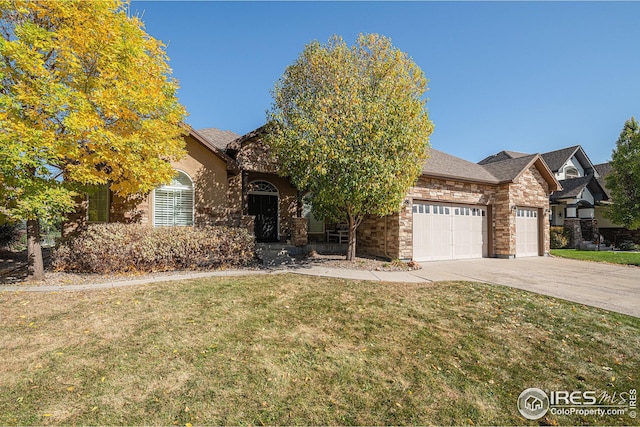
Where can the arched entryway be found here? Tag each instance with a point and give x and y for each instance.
(263, 205)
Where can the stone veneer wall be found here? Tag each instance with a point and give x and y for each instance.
(374, 231)
(399, 227)
(532, 191)
(529, 190)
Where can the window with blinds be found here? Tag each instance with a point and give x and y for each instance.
(98, 204)
(173, 203)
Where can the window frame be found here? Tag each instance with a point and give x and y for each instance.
(175, 189)
(104, 198)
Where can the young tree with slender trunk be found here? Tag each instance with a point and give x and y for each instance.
(348, 125)
(86, 98)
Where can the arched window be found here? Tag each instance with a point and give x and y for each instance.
(570, 172)
(173, 203)
(262, 187)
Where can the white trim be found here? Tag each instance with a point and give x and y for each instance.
(175, 188)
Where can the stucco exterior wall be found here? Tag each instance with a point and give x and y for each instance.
(208, 173)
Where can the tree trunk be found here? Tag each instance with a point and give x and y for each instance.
(351, 246)
(34, 250)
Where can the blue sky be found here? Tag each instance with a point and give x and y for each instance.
(521, 76)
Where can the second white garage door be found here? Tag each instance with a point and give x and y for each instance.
(443, 232)
(526, 232)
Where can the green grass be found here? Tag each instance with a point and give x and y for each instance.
(296, 350)
(626, 258)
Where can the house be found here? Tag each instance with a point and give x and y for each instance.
(198, 195)
(581, 205)
(457, 209)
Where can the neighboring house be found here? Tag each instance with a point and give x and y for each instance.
(613, 233)
(457, 209)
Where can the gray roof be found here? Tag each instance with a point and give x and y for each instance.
(603, 170)
(447, 166)
(217, 137)
(509, 169)
(572, 187)
(555, 159)
(503, 155)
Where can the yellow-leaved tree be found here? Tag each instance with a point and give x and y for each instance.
(86, 98)
(348, 125)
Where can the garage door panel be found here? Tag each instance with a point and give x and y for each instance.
(527, 232)
(442, 232)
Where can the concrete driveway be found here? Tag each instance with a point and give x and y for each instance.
(608, 286)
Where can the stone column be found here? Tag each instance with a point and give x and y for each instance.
(299, 236)
(575, 231)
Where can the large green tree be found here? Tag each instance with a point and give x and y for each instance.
(348, 125)
(624, 179)
(86, 98)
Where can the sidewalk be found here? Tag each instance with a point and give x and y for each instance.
(339, 273)
(608, 286)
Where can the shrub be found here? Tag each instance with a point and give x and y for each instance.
(627, 245)
(559, 238)
(116, 248)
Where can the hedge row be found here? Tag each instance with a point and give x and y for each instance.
(117, 248)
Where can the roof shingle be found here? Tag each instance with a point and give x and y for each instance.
(447, 166)
(217, 137)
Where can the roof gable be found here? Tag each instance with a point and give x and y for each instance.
(509, 169)
(558, 158)
(572, 188)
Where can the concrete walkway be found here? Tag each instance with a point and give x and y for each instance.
(608, 286)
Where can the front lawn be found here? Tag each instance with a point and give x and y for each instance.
(290, 349)
(626, 258)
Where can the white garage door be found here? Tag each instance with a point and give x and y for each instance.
(449, 232)
(526, 232)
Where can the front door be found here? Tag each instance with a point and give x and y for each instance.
(265, 209)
